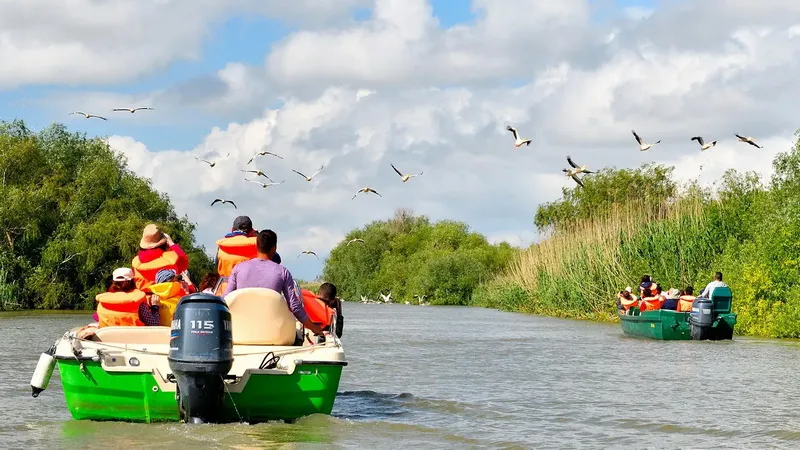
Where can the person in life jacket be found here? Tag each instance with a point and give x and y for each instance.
(651, 301)
(686, 299)
(626, 300)
(322, 306)
(327, 293)
(238, 246)
(123, 304)
(156, 251)
(671, 300)
(168, 290)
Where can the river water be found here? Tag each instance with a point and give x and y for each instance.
(455, 377)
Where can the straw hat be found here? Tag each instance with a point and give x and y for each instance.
(152, 237)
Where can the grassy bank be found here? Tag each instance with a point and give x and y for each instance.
(747, 228)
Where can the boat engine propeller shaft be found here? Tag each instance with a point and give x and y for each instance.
(201, 355)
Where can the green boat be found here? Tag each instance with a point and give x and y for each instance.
(710, 319)
(125, 373)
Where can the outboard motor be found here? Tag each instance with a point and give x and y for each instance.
(701, 319)
(200, 355)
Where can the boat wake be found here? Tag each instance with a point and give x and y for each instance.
(370, 405)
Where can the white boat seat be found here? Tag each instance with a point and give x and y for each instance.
(261, 316)
(133, 335)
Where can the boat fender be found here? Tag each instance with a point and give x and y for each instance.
(44, 370)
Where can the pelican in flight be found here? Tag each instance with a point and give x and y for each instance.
(308, 252)
(223, 201)
(262, 154)
(359, 240)
(387, 298)
(259, 173)
(517, 140)
(576, 169)
(133, 110)
(749, 140)
(366, 190)
(210, 163)
(312, 175)
(264, 185)
(703, 145)
(577, 180)
(87, 115)
(407, 176)
(643, 146)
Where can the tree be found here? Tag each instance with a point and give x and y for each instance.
(71, 211)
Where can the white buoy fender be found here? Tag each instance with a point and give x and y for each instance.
(41, 376)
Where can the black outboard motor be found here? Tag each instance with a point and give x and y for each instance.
(701, 319)
(200, 355)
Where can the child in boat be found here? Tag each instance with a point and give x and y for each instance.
(169, 288)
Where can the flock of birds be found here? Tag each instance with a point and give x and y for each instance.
(387, 298)
(572, 172)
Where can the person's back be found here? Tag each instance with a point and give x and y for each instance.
(236, 247)
(671, 300)
(157, 251)
(714, 284)
(686, 299)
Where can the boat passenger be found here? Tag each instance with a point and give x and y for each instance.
(123, 304)
(671, 300)
(626, 300)
(156, 251)
(168, 290)
(327, 293)
(714, 284)
(686, 300)
(263, 272)
(208, 283)
(651, 301)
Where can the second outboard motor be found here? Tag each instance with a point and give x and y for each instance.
(200, 355)
(701, 319)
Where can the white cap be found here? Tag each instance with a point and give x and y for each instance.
(628, 289)
(122, 274)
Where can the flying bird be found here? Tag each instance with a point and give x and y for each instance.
(387, 298)
(749, 140)
(312, 175)
(132, 110)
(643, 146)
(223, 201)
(367, 190)
(308, 252)
(577, 180)
(517, 141)
(87, 115)
(210, 163)
(264, 185)
(576, 169)
(703, 145)
(259, 174)
(407, 176)
(262, 154)
(355, 240)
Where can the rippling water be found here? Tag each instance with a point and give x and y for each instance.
(440, 377)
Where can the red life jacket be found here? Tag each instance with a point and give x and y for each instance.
(234, 250)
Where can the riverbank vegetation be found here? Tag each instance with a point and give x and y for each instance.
(70, 211)
(409, 256)
(632, 222)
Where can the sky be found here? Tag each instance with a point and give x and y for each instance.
(426, 85)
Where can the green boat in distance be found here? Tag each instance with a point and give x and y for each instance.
(123, 373)
(710, 319)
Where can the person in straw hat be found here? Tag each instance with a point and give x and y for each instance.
(157, 251)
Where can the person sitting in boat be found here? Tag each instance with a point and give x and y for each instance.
(123, 305)
(714, 284)
(263, 272)
(671, 300)
(651, 300)
(208, 283)
(626, 300)
(168, 290)
(647, 283)
(686, 299)
(156, 251)
(327, 293)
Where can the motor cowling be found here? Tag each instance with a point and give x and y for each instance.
(701, 318)
(201, 355)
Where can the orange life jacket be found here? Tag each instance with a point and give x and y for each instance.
(144, 274)
(170, 294)
(685, 303)
(317, 310)
(234, 250)
(119, 308)
(628, 304)
(221, 285)
(650, 304)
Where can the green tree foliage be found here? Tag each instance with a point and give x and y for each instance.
(408, 255)
(70, 212)
(605, 190)
(746, 228)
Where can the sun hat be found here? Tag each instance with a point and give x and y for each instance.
(152, 237)
(165, 275)
(122, 274)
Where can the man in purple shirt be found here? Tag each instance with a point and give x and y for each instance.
(262, 272)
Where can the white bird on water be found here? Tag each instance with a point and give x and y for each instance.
(518, 142)
(703, 145)
(87, 115)
(643, 146)
(387, 298)
(133, 110)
